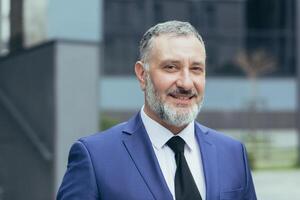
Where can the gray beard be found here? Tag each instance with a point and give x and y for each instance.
(175, 116)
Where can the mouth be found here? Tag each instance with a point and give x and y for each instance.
(182, 99)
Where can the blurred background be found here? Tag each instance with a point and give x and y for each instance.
(66, 71)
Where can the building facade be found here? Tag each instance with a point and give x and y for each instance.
(227, 26)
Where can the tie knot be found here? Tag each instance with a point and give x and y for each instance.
(176, 143)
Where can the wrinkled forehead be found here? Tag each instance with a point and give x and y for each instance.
(157, 43)
(174, 35)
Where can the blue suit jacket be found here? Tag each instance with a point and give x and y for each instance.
(120, 164)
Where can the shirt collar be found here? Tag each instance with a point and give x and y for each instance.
(159, 135)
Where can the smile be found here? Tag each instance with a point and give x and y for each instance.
(182, 99)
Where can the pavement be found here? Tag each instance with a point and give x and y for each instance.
(277, 184)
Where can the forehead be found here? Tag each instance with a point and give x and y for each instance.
(169, 46)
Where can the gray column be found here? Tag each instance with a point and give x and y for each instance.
(76, 87)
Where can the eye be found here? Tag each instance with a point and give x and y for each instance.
(170, 68)
(197, 69)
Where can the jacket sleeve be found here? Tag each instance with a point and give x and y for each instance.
(79, 181)
(250, 190)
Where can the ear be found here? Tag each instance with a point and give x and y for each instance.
(140, 74)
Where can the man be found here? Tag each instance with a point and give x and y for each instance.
(162, 153)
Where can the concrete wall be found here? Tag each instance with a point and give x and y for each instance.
(228, 102)
(222, 94)
(76, 89)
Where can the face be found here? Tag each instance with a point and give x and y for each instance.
(175, 80)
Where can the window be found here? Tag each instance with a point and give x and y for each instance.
(4, 26)
(228, 27)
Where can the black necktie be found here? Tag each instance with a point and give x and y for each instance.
(185, 186)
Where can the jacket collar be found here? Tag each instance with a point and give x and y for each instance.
(138, 145)
(209, 160)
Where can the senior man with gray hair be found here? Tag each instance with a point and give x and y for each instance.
(162, 153)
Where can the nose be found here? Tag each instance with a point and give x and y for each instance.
(185, 80)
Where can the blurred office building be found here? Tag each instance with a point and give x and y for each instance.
(52, 49)
(251, 67)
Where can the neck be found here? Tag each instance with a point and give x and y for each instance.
(174, 129)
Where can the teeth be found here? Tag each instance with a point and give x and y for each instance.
(183, 98)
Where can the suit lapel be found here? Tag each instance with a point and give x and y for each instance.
(138, 145)
(209, 161)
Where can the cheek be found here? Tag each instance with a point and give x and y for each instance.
(200, 85)
(162, 84)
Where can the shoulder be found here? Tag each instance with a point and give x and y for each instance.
(110, 140)
(115, 133)
(218, 138)
(111, 135)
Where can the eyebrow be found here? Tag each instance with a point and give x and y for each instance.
(178, 62)
(198, 63)
(170, 61)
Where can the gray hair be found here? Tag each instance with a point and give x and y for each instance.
(173, 28)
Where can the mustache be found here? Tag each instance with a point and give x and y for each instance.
(182, 92)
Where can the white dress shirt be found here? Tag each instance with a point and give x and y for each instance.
(159, 135)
